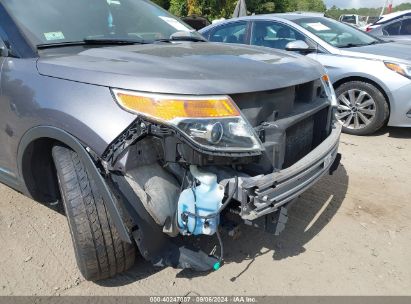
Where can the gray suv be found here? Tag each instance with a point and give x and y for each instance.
(147, 134)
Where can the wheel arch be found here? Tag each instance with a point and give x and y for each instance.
(38, 176)
(380, 87)
(37, 172)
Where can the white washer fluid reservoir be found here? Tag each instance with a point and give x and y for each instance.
(202, 200)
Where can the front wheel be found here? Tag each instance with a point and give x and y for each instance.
(100, 253)
(362, 108)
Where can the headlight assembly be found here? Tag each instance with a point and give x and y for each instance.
(329, 90)
(402, 69)
(213, 122)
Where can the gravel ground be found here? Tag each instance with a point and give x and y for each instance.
(348, 235)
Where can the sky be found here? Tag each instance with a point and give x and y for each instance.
(360, 3)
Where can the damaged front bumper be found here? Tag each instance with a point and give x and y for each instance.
(265, 194)
(263, 203)
(171, 188)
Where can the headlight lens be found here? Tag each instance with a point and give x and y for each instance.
(402, 69)
(214, 122)
(329, 90)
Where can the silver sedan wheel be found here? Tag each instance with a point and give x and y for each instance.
(356, 109)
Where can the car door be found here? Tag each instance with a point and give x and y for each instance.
(277, 35)
(13, 94)
(392, 29)
(2, 106)
(405, 31)
(4, 110)
(398, 30)
(233, 32)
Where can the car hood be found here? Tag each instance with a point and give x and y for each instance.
(398, 39)
(384, 51)
(183, 68)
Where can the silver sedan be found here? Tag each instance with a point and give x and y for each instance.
(372, 78)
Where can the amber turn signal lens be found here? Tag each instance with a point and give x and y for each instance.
(395, 67)
(168, 108)
(325, 78)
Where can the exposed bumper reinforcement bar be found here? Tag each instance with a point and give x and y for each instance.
(261, 195)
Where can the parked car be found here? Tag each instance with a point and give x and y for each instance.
(385, 19)
(354, 20)
(372, 79)
(144, 131)
(369, 21)
(397, 30)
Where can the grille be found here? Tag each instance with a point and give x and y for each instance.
(305, 136)
(268, 106)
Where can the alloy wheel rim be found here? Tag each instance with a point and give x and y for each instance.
(356, 109)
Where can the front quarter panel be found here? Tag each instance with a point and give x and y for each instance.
(341, 67)
(396, 87)
(88, 112)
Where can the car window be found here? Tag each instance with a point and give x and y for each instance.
(349, 19)
(392, 29)
(362, 19)
(372, 19)
(61, 21)
(406, 27)
(230, 33)
(274, 34)
(336, 33)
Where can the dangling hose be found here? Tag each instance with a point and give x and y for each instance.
(221, 258)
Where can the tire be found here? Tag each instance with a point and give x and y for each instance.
(364, 110)
(100, 253)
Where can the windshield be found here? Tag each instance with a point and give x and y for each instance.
(336, 33)
(65, 21)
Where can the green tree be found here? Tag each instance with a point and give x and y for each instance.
(224, 8)
(335, 12)
(307, 6)
(178, 7)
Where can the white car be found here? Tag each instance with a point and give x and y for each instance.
(354, 20)
(370, 21)
(388, 18)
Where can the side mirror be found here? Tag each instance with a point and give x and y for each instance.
(298, 46)
(4, 51)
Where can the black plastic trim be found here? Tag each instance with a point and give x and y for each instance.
(163, 131)
(155, 246)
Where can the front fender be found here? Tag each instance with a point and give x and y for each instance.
(28, 100)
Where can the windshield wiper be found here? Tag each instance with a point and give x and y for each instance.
(119, 41)
(350, 45)
(92, 41)
(60, 44)
(375, 42)
(192, 39)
